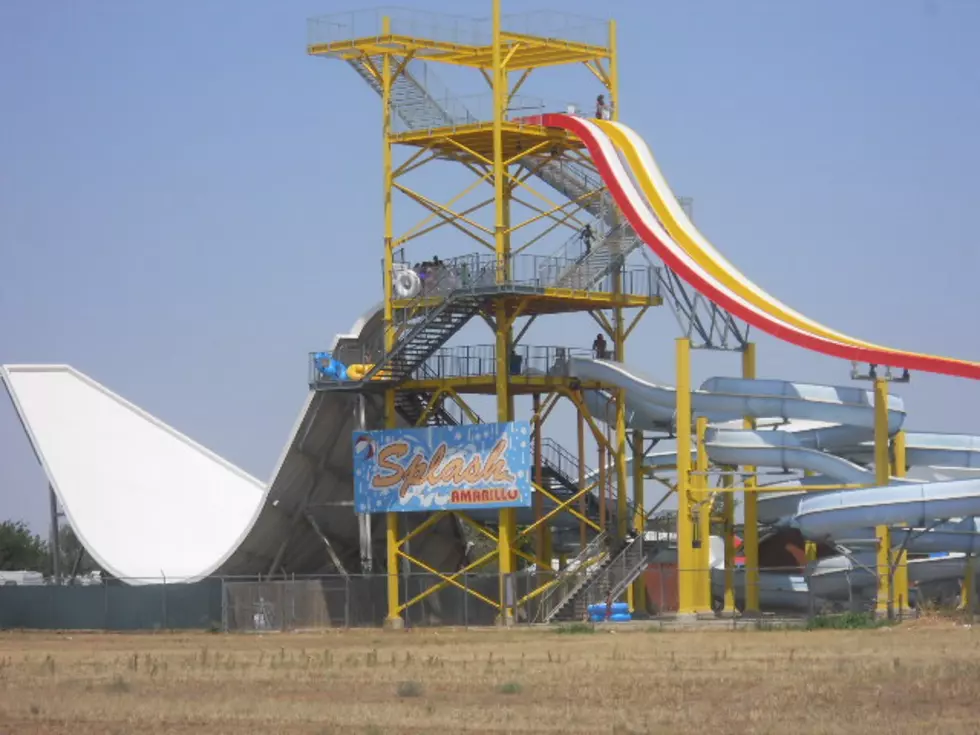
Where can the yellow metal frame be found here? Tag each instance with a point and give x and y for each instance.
(488, 150)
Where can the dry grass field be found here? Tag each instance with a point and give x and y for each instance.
(915, 678)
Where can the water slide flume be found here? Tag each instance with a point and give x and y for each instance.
(743, 302)
(844, 416)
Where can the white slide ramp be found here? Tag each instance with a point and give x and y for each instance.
(149, 504)
(145, 500)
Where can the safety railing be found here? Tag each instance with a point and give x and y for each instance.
(573, 577)
(558, 25)
(416, 111)
(455, 29)
(475, 361)
(581, 242)
(615, 575)
(561, 459)
(483, 273)
(567, 464)
(368, 23)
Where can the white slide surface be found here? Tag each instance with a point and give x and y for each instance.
(145, 500)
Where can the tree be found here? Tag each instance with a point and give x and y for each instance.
(22, 550)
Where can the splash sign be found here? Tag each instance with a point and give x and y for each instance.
(443, 468)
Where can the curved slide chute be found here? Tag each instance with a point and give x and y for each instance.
(718, 283)
(145, 501)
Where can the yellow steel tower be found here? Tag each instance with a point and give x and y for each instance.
(506, 279)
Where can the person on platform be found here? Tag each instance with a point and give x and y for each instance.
(587, 237)
(601, 108)
(599, 347)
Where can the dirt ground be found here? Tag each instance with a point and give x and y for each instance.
(918, 677)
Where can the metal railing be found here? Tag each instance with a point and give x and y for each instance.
(566, 463)
(367, 23)
(614, 576)
(418, 112)
(571, 579)
(456, 29)
(475, 361)
(482, 273)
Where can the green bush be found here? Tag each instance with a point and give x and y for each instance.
(847, 621)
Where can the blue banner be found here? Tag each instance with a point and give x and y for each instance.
(443, 468)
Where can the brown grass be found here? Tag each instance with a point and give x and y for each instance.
(914, 678)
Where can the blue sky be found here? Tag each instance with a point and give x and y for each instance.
(189, 203)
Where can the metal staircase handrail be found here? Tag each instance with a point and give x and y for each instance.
(425, 307)
(384, 365)
(571, 579)
(615, 576)
(550, 445)
(630, 568)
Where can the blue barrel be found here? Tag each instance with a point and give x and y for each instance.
(599, 608)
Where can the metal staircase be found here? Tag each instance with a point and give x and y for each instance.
(562, 467)
(576, 574)
(606, 578)
(411, 406)
(601, 260)
(418, 98)
(578, 183)
(431, 331)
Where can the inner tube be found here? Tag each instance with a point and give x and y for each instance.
(358, 371)
(407, 284)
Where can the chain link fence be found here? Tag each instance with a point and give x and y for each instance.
(143, 604)
(532, 597)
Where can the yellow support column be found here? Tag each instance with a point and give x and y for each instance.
(622, 519)
(809, 547)
(702, 498)
(619, 338)
(613, 71)
(549, 551)
(884, 602)
(968, 590)
(728, 511)
(583, 533)
(393, 620)
(507, 531)
(810, 550)
(539, 539)
(687, 556)
(639, 516)
(900, 578)
(750, 540)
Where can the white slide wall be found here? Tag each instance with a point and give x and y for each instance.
(145, 500)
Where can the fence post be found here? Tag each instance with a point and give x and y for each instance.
(346, 602)
(224, 605)
(164, 602)
(282, 604)
(466, 602)
(811, 599)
